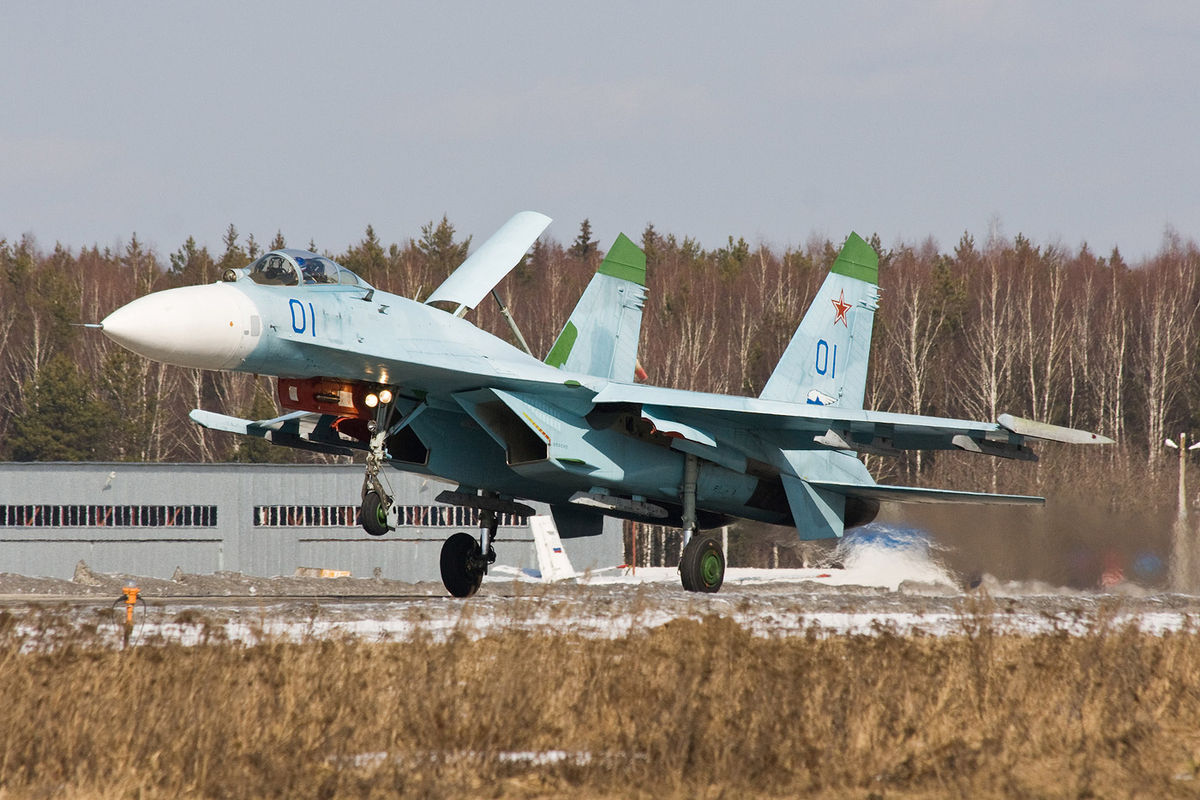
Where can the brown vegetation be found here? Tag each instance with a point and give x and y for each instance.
(691, 709)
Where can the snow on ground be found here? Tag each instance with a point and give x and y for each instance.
(887, 581)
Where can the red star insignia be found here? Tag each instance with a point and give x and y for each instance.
(840, 307)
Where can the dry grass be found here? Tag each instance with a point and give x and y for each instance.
(692, 709)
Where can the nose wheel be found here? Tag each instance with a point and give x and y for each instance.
(374, 514)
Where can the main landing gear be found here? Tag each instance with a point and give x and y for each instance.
(702, 567)
(465, 559)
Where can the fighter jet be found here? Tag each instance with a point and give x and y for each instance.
(417, 387)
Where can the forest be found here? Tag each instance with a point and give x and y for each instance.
(1005, 325)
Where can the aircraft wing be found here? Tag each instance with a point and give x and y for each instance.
(494, 259)
(705, 419)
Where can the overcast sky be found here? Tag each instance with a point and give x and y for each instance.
(1068, 121)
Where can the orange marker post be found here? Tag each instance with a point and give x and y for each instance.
(131, 598)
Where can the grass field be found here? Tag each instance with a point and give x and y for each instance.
(688, 709)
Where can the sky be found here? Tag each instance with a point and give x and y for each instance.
(1069, 122)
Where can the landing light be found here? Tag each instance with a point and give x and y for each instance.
(371, 400)
(385, 396)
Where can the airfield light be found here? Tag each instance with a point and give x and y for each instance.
(385, 396)
(1182, 447)
(371, 400)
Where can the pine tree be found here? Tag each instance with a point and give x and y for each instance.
(367, 259)
(442, 253)
(192, 264)
(234, 256)
(62, 421)
(584, 244)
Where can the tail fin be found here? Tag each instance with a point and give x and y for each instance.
(601, 335)
(553, 561)
(826, 361)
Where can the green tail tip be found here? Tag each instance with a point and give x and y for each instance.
(857, 260)
(625, 260)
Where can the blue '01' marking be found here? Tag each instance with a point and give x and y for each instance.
(301, 325)
(824, 362)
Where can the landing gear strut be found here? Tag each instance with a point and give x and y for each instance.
(376, 499)
(702, 567)
(377, 502)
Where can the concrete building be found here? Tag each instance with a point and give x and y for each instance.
(258, 519)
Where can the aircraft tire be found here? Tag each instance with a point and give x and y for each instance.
(374, 515)
(461, 569)
(702, 568)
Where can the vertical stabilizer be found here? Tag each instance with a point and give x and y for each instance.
(552, 558)
(826, 361)
(601, 335)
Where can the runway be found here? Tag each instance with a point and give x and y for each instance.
(233, 608)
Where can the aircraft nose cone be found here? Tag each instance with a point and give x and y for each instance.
(208, 327)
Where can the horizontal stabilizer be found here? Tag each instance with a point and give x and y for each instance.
(494, 259)
(1051, 433)
(817, 512)
(913, 494)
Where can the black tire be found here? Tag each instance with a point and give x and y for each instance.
(462, 568)
(374, 515)
(702, 568)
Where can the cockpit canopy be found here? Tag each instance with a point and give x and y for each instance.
(293, 267)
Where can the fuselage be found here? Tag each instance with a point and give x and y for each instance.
(492, 417)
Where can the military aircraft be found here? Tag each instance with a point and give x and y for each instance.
(416, 386)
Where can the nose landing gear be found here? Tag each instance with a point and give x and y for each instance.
(376, 500)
